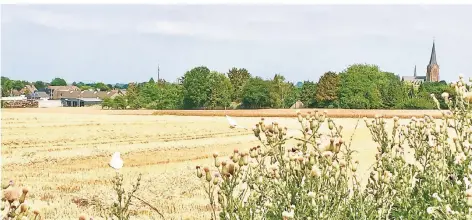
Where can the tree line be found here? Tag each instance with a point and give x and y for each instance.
(360, 86)
(9, 84)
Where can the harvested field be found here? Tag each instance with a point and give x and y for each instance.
(334, 113)
(61, 154)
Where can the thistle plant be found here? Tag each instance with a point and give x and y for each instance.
(14, 205)
(422, 170)
(279, 179)
(120, 209)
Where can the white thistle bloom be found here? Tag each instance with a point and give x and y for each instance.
(448, 208)
(445, 95)
(430, 210)
(459, 158)
(287, 215)
(466, 182)
(311, 195)
(436, 196)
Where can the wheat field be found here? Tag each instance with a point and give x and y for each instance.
(62, 156)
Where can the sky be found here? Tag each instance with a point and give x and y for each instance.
(126, 43)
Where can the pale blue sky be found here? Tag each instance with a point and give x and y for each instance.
(122, 43)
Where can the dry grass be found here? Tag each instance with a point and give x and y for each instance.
(62, 155)
(333, 113)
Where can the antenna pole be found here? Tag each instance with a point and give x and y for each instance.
(158, 74)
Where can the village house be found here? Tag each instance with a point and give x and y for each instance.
(85, 98)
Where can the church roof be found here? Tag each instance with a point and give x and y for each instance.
(432, 60)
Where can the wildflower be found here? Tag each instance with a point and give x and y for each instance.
(468, 193)
(315, 171)
(436, 196)
(199, 172)
(327, 154)
(445, 95)
(288, 215)
(448, 209)
(459, 158)
(11, 194)
(311, 195)
(430, 210)
(207, 174)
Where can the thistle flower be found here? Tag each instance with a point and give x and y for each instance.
(207, 174)
(199, 172)
(311, 195)
(436, 196)
(11, 194)
(430, 210)
(445, 95)
(315, 171)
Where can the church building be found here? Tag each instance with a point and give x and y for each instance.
(432, 71)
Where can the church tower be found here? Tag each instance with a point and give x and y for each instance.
(432, 73)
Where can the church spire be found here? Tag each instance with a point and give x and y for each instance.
(432, 60)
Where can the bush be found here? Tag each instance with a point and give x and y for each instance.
(316, 179)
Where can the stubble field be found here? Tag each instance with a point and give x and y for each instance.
(62, 155)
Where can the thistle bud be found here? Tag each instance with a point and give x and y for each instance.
(199, 172)
(23, 208)
(215, 180)
(207, 174)
(246, 159)
(241, 162)
(315, 171)
(299, 117)
(23, 195)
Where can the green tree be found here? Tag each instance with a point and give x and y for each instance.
(220, 90)
(132, 95)
(107, 103)
(308, 94)
(119, 102)
(18, 84)
(196, 84)
(151, 81)
(238, 77)
(437, 88)
(58, 82)
(101, 86)
(291, 94)
(392, 90)
(359, 88)
(327, 89)
(277, 87)
(7, 86)
(256, 93)
(40, 85)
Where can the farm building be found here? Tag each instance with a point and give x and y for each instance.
(80, 102)
(297, 105)
(38, 95)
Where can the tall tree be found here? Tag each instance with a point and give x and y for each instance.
(360, 87)
(327, 88)
(256, 93)
(196, 87)
(308, 94)
(238, 78)
(18, 84)
(58, 82)
(220, 90)
(101, 86)
(7, 86)
(40, 85)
